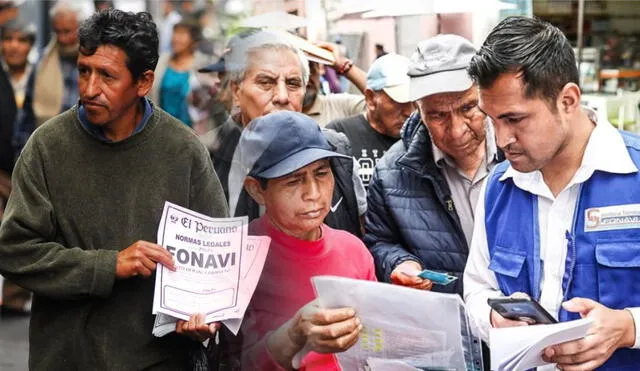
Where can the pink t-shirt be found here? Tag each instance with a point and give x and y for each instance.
(285, 285)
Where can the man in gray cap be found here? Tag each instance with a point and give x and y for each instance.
(423, 191)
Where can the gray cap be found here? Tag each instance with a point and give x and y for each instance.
(439, 65)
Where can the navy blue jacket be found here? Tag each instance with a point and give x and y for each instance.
(410, 214)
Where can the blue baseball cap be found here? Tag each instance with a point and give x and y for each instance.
(389, 73)
(282, 142)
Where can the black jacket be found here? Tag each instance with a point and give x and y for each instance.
(8, 111)
(410, 213)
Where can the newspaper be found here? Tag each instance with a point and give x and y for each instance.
(217, 269)
(423, 332)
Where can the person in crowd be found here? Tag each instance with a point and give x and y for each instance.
(344, 51)
(171, 14)
(89, 190)
(380, 51)
(177, 70)
(373, 132)
(423, 192)
(17, 40)
(293, 181)
(330, 76)
(9, 11)
(558, 221)
(214, 96)
(326, 108)
(8, 109)
(54, 86)
(267, 74)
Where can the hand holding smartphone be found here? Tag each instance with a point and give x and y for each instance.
(437, 277)
(521, 309)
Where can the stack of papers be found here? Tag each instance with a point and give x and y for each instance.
(520, 348)
(217, 269)
(404, 328)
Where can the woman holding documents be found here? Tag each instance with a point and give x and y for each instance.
(291, 177)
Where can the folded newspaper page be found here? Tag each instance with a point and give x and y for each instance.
(217, 268)
(422, 329)
(520, 348)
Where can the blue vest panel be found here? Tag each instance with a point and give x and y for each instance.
(603, 263)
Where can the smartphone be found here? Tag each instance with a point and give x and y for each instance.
(521, 309)
(437, 277)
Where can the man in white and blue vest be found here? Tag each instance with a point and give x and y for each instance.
(560, 220)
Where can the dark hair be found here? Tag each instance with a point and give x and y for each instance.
(135, 34)
(193, 26)
(536, 49)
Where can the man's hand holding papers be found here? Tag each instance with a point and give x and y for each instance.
(210, 276)
(611, 330)
(141, 258)
(196, 328)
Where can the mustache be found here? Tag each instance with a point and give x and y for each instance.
(69, 50)
(511, 149)
(93, 102)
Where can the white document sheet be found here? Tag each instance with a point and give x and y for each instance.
(520, 348)
(419, 328)
(256, 254)
(218, 268)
